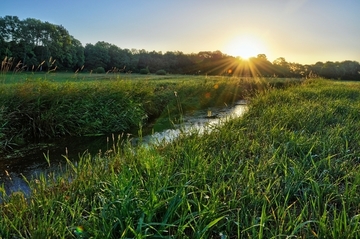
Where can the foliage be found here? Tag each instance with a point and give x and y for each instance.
(100, 70)
(31, 42)
(160, 72)
(144, 71)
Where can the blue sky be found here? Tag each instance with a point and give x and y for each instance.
(303, 31)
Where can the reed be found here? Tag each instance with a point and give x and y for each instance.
(7, 65)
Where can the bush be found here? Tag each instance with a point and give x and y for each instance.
(144, 71)
(100, 70)
(161, 72)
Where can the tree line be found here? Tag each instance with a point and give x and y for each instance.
(40, 46)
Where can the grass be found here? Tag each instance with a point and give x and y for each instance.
(10, 78)
(288, 168)
(35, 105)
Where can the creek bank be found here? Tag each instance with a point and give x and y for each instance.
(31, 162)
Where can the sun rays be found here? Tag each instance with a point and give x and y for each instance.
(253, 67)
(248, 57)
(245, 46)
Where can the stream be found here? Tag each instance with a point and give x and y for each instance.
(31, 161)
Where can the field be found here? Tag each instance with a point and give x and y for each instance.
(289, 168)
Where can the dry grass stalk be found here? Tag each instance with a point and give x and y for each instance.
(6, 64)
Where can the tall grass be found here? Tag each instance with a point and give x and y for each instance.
(44, 109)
(47, 108)
(288, 168)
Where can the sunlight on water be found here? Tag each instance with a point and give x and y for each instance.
(205, 121)
(13, 171)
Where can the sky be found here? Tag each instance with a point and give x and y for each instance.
(301, 31)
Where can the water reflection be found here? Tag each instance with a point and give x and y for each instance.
(201, 121)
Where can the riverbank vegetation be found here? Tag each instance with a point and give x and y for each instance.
(35, 106)
(288, 168)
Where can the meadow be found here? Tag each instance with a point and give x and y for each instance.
(289, 168)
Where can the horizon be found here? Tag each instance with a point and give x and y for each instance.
(303, 32)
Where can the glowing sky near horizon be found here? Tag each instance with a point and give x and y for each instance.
(302, 31)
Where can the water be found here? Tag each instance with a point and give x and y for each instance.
(198, 122)
(30, 162)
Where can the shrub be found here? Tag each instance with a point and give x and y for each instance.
(161, 72)
(100, 70)
(144, 71)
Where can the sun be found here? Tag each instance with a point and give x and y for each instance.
(245, 46)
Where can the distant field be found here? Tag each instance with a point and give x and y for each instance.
(9, 78)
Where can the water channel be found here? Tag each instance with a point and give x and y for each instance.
(29, 163)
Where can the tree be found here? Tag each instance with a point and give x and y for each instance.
(297, 70)
(32, 42)
(330, 70)
(96, 56)
(350, 70)
(75, 56)
(261, 66)
(316, 68)
(9, 28)
(281, 67)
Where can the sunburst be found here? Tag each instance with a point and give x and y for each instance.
(245, 46)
